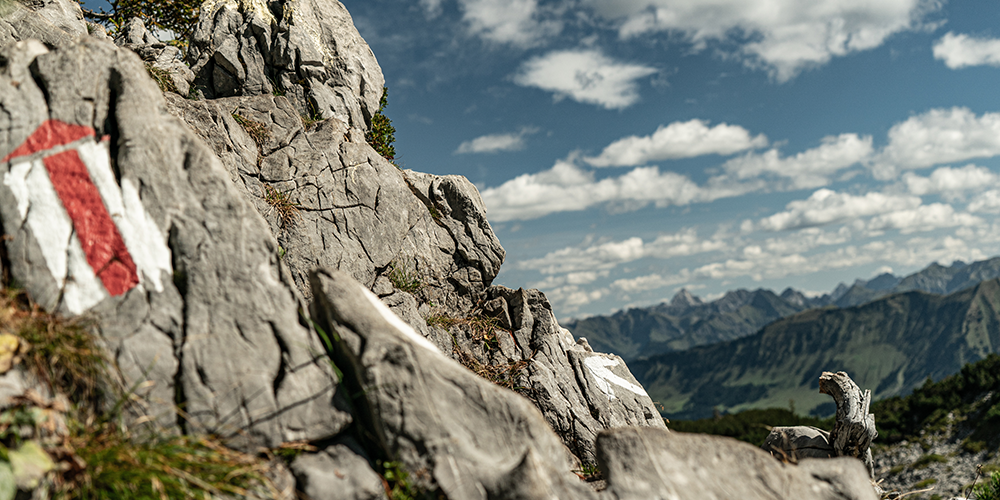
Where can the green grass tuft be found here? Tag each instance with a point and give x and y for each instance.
(95, 457)
(926, 460)
(403, 278)
(287, 210)
(162, 78)
(257, 130)
(988, 490)
(175, 467)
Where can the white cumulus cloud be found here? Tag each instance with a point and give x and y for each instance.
(922, 218)
(786, 36)
(495, 143)
(988, 202)
(827, 207)
(677, 140)
(808, 169)
(952, 182)
(959, 51)
(587, 76)
(566, 188)
(606, 255)
(939, 136)
(514, 22)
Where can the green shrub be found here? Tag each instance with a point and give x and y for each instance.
(397, 482)
(903, 417)
(178, 16)
(926, 460)
(988, 490)
(382, 133)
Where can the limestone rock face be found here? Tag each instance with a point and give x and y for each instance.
(56, 23)
(63, 14)
(158, 55)
(192, 230)
(112, 208)
(460, 434)
(643, 463)
(580, 392)
(308, 50)
(333, 202)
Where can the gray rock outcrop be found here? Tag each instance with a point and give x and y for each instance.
(56, 23)
(259, 272)
(579, 391)
(333, 202)
(462, 435)
(644, 463)
(163, 61)
(186, 284)
(307, 49)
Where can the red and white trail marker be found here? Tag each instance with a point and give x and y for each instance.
(96, 237)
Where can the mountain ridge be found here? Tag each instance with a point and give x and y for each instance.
(890, 345)
(688, 321)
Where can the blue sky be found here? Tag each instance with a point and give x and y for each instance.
(626, 149)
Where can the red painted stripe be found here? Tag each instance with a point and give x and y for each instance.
(102, 243)
(52, 133)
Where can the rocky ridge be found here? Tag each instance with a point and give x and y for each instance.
(247, 257)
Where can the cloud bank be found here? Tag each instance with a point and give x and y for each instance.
(960, 51)
(677, 140)
(783, 36)
(585, 75)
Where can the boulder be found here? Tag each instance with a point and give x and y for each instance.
(455, 432)
(113, 209)
(56, 23)
(63, 14)
(308, 50)
(340, 470)
(644, 463)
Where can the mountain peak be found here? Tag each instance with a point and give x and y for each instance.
(794, 296)
(684, 298)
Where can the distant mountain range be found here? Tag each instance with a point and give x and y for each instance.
(890, 345)
(686, 321)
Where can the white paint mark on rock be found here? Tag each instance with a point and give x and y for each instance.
(399, 324)
(17, 181)
(82, 289)
(42, 210)
(599, 368)
(146, 244)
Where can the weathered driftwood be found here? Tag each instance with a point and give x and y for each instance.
(852, 432)
(789, 444)
(854, 429)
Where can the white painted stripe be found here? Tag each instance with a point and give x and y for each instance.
(394, 320)
(16, 180)
(598, 366)
(142, 237)
(43, 211)
(83, 288)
